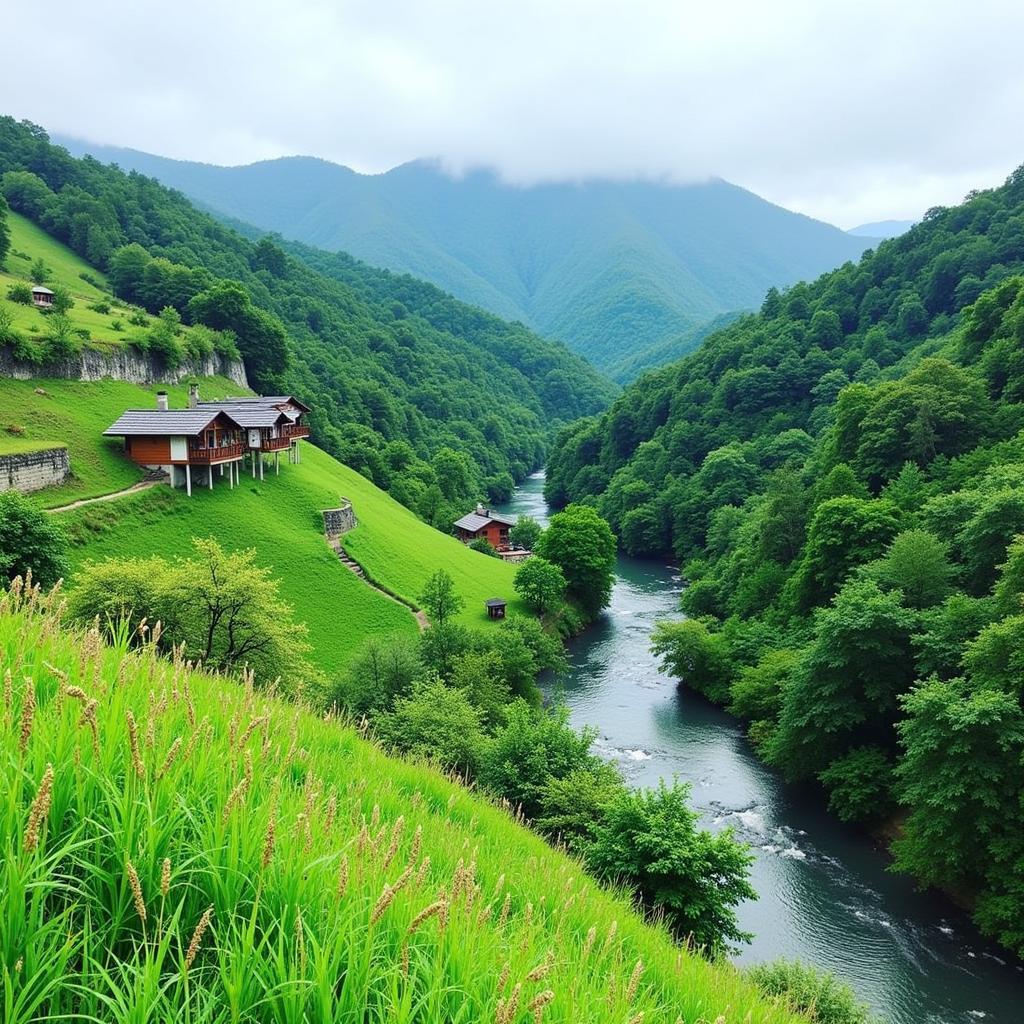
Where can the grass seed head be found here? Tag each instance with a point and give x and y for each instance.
(634, 981)
(197, 937)
(165, 877)
(39, 810)
(28, 713)
(133, 743)
(169, 759)
(136, 887)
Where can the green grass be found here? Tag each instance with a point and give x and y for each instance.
(13, 445)
(29, 243)
(88, 931)
(75, 414)
(279, 517)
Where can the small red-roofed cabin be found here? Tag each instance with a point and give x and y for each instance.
(483, 524)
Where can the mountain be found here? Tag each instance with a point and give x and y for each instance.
(841, 476)
(436, 401)
(882, 229)
(610, 268)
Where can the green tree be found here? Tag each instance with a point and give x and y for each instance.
(525, 533)
(691, 653)
(62, 300)
(440, 598)
(649, 840)
(436, 722)
(383, 670)
(860, 784)
(916, 563)
(225, 608)
(845, 689)
(30, 540)
(5, 231)
(39, 272)
(540, 583)
(582, 545)
(959, 777)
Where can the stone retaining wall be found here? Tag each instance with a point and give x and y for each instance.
(32, 471)
(339, 520)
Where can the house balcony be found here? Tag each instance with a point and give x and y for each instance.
(208, 456)
(275, 444)
(293, 431)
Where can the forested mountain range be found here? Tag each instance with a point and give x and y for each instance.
(611, 268)
(431, 398)
(842, 475)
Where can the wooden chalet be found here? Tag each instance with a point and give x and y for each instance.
(183, 443)
(483, 524)
(211, 438)
(272, 424)
(42, 297)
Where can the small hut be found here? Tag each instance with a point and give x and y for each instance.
(495, 607)
(42, 297)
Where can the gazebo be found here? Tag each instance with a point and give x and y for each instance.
(495, 607)
(42, 297)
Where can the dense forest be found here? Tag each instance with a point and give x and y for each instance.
(842, 477)
(432, 399)
(612, 268)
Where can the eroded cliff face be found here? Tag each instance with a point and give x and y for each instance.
(122, 364)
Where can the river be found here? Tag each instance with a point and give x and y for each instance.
(825, 895)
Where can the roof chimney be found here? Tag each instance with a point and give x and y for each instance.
(193, 395)
(481, 511)
(161, 401)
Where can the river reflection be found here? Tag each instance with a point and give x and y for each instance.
(825, 894)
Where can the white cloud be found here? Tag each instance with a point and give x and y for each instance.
(846, 110)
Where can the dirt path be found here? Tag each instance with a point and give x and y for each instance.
(354, 567)
(143, 485)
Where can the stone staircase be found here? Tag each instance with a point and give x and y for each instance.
(350, 563)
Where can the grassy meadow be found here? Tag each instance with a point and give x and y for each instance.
(87, 285)
(178, 847)
(278, 516)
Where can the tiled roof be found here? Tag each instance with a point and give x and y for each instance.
(474, 522)
(265, 400)
(163, 422)
(39, 289)
(251, 415)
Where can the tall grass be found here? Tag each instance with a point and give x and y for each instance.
(179, 847)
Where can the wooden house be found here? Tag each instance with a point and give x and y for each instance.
(42, 297)
(183, 443)
(483, 524)
(272, 424)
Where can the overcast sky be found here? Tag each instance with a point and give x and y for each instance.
(848, 111)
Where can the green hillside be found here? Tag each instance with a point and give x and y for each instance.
(250, 861)
(611, 268)
(279, 517)
(842, 477)
(104, 328)
(437, 402)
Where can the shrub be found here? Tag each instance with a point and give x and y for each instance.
(20, 293)
(819, 994)
(30, 540)
(484, 547)
(61, 338)
(39, 272)
(7, 332)
(117, 325)
(437, 722)
(540, 583)
(138, 318)
(525, 533)
(100, 307)
(860, 784)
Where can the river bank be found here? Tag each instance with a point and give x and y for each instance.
(826, 895)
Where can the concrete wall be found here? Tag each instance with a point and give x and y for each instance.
(32, 471)
(122, 364)
(339, 520)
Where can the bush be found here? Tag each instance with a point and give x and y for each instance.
(540, 583)
(7, 332)
(117, 325)
(484, 547)
(61, 337)
(100, 307)
(819, 994)
(437, 722)
(382, 671)
(20, 293)
(138, 318)
(649, 840)
(860, 784)
(30, 540)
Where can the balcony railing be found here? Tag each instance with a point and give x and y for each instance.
(291, 430)
(275, 444)
(221, 454)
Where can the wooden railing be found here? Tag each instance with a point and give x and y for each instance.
(207, 455)
(275, 444)
(291, 430)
